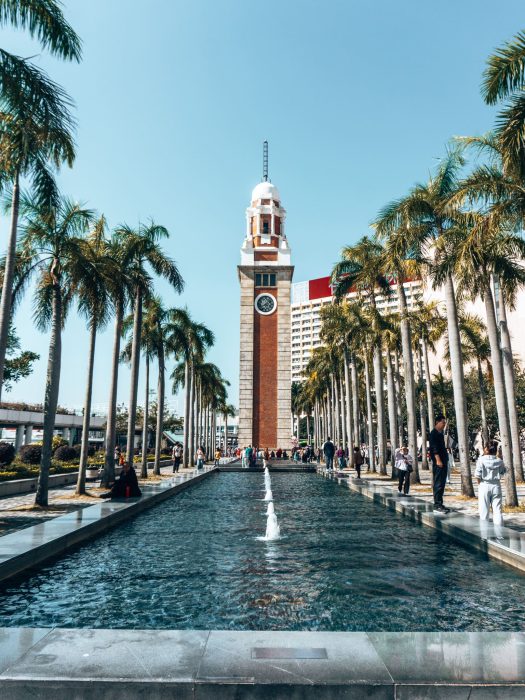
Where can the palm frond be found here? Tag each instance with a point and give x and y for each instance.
(505, 71)
(46, 22)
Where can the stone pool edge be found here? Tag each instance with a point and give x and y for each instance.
(500, 543)
(24, 549)
(102, 664)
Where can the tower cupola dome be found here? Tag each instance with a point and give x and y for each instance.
(267, 191)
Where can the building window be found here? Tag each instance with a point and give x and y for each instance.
(265, 227)
(265, 279)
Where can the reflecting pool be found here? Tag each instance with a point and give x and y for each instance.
(199, 560)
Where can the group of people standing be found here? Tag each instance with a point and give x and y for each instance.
(489, 470)
(249, 455)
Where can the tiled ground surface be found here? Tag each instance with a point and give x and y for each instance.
(453, 498)
(114, 664)
(19, 512)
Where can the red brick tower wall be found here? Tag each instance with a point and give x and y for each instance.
(265, 378)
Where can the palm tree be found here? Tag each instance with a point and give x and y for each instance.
(501, 195)
(198, 339)
(403, 262)
(26, 149)
(147, 342)
(228, 411)
(144, 251)
(93, 303)
(35, 124)
(19, 79)
(474, 253)
(476, 348)
(121, 288)
(53, 249)
(504, 79)
(418, 222)
(392, 338)
(169, 339)
(361, 267)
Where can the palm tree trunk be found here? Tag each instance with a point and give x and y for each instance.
(483, 411)
(458, 385)
(144, 467)
(108, 475)
(392, 418)
(348, 412)
(51, 397)
(161, 386)
(198, 413)
(422, 414)
(81, 480)
(380, 407)
(135, 362)
(397, 382)
(9, 271)
(355, 401)
(428, 381)
(510, 384)
(307, 427)
(187, 396)
(344, 438)
(201, 414)
(192, 416)
(335, 401)
(225, 434)
(408, 372)
(511, 495)
(370, 419)
(317, 424)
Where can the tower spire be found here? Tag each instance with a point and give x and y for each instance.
(265, 161)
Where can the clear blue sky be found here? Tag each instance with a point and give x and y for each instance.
(174, 98)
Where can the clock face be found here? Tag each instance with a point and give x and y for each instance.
(265, 304)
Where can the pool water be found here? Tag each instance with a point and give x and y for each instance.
(343, 563)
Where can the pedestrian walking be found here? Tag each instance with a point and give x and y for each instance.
(329, 452)
(358, 461)
(489, 470)
(200, 456)
(439, 457)
(176, 455)
(217, 457)
(404, 465)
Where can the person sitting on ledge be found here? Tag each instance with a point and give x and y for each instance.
(126, 486)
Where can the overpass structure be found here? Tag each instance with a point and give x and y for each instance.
(24, 422)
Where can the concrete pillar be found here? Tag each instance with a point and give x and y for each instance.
(19, 440)
(72, 434)
(65, 434)
(29, 434)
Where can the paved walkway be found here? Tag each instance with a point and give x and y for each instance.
(19, 512)
(514, 518)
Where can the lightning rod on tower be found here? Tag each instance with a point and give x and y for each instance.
(265, 161)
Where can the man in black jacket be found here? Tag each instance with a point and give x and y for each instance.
(329, 451)
(439, 456)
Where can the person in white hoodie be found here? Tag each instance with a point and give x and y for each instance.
(403, 464)
(489, 469)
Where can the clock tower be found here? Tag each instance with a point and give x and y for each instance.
(265, 276)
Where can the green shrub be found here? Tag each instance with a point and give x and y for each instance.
(65, 454)
(7, 454)
(8, 476)
(31, 454)
(57, 442)
(78, 450)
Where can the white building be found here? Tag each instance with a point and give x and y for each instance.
(307, 300)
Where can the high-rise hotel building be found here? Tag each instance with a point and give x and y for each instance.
(307, 300)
